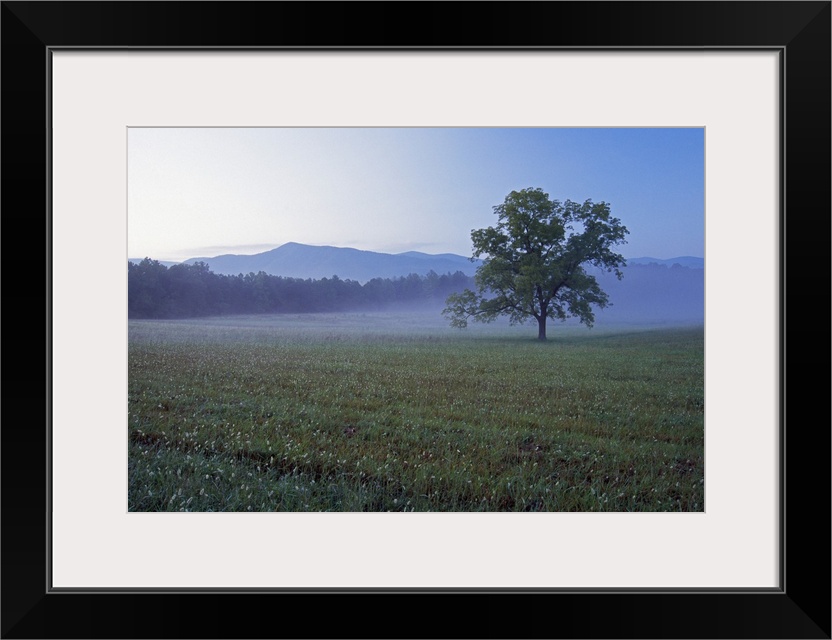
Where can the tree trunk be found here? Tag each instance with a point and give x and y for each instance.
(541, 328)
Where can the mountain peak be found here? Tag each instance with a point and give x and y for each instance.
(296, 260)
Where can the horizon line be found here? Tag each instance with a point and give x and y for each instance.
(228, 251)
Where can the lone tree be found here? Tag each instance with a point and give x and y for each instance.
(535, 261)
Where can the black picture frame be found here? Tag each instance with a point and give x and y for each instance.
(799, 31)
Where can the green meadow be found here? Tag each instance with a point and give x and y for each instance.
(398, 412)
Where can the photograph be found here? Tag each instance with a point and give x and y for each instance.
(416, 319)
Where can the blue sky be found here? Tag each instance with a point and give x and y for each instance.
(208, 191)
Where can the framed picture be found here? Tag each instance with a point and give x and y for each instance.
(77, 76)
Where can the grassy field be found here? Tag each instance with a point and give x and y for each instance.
(384, 412)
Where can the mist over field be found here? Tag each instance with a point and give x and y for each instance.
(288, 280)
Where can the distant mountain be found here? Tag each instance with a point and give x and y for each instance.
(294, 260)
(684, 261)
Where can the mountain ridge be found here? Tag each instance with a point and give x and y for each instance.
(691, 262)
(296, 260)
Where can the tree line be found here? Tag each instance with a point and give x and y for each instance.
(193, 290)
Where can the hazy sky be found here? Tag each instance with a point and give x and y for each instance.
(208, 191)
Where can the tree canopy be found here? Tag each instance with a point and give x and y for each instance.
(535, 262)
